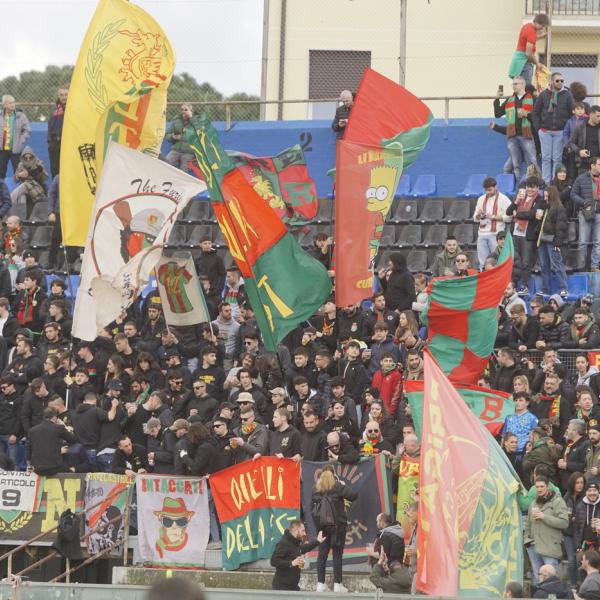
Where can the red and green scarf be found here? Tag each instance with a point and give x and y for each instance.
(511, 116)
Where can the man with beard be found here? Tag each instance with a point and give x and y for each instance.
(551, 404)
(592, 456)
(340, 448)
(573, 459)
(284, 441)
(587, 517)
(414, 366)
(313, 439)
(201, 405)
(379, 314)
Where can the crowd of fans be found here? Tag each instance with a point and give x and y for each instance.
(145, 397)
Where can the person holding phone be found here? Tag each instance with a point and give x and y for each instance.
(342, 114)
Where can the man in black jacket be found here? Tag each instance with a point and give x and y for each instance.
(342, 113)
(287, 557)
(582, 195)
(585, 140)
(552, 109)
(209, 263)
(524, 331)
(10, 421)
(550, 585)
(573, 459)
(313, 439)
(129, 458)
(46, 444)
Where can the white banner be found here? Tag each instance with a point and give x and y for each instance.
(173, 520)
(138, 200)
(179, 288)
(19, 491)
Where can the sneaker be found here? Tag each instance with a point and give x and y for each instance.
(322, 587)
(524, 291)
(564, 293)
(340, 588)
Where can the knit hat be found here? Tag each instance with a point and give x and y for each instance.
(589, 298)
(560, 168)
(591, 485)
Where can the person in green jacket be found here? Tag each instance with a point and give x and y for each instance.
(541, 450)
(547, 517)
(181, 133)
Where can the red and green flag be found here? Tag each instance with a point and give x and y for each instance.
(461, 318)
(282, 181)
(470, 539)
(491, 407)
(285, 285)
(387, 129)
(255, 502)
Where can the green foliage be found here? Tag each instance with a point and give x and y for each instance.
(35, 92)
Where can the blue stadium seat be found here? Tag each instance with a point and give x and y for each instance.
(474, 187)
(425, 186)
(403, 186)
(578, 286)
(506, 183)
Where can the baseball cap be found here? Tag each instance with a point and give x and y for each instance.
(28, 254)
(278, 390)
(172, 351)
(229, 405)
(179, 424)
(245, 397)
(592, 485)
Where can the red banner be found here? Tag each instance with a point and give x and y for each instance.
(454, 459)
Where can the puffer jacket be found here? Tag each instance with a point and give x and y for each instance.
(21, 131)
(557, 335)
(547, 533)
(555, 223)
(582, 191)
(585, 511)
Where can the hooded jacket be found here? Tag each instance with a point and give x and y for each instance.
(399, 288)
(546, 534)
(35, 169)
(288, 548)
(391, 539)
(444, 261)
(553, 585)
(585, 511)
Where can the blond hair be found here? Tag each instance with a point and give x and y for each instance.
(325, 482)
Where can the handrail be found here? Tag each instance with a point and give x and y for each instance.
(8, 555)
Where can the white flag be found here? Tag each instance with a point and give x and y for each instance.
(182, 300)
(138, 200)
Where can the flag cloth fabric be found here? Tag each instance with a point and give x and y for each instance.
(491, 407)
(285, 285)
(282, 181)
(371, 480)
(408, 484)
(182, 299)
(118, 92)
(387, 130)
(109, 493)
(255, 502)
(467, 500)
(20, 490)
(173, 521)
(138, 200)
(461, 318)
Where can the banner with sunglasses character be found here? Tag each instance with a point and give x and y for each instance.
(172, 521)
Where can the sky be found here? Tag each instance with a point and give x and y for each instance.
(218, 41)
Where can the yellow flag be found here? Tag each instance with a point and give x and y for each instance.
(118, 92)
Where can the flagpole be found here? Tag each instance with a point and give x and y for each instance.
(70, 286)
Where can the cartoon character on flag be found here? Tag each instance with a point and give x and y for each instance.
(175, 277)
(174, 518)
(380, 194)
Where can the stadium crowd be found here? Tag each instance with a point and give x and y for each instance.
(144, 397)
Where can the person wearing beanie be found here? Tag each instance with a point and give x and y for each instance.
(563, 182)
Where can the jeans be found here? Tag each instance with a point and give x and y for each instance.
(571, 559)
(552, 146)
(104, 461)
(486, 244)
(12, 450)
(527, 72)
(537, 560)
(551, 262)
(7, 156)
(521, 149)
(589, 230)
(335, 541)
(523, 261)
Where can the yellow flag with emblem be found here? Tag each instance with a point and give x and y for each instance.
(118, 92)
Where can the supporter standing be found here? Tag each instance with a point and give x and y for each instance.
(586, 197)
(574, 494)
(551, 112)
(329, 514)
(590, 588)
(342, 113)
(585, 139)
(398, 283)
(525, 58)
(182, 132)
(15, 131)
(55, 127)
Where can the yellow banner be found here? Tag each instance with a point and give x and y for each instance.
(118, 92)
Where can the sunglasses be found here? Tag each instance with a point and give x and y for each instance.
(245, 402)
(168, 522)
(247, 419)
(198, 387)
(248, 343)
(179, 382)
(372, 430)
(559, 81)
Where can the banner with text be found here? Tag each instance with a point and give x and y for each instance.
(255, 501)
(56, 494)
(19, 490)
(109, 493)
(173, 522)
(370, 479)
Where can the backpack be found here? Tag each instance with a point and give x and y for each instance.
(323, 513)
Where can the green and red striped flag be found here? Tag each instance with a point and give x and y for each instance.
(470, 538)
(491, 407)
(285, 285)
(461, 318)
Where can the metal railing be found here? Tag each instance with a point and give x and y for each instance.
(574, 8)
(8, 556)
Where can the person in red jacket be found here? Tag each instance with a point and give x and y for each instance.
(388, 380)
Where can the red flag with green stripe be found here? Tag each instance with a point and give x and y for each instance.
(387, 130)
(461, 318)
(491, 407)
(285, 285)
(470, 539)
